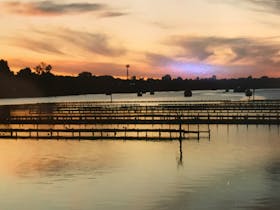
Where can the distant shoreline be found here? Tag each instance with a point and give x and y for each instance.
(42, 83)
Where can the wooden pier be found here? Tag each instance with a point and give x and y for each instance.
(172, 119)
(95, 134)
(257, 112)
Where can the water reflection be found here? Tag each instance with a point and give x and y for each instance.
(159, 96)
(241, 183)
(273, 171)
(52, 159)
(180, 159)
(272, 197)
(238, 169)
(43, 167)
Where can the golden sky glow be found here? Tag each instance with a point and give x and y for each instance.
(187, 38)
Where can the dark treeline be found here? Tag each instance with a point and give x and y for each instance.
(41, 82)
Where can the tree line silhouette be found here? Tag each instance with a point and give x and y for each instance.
(40, 82)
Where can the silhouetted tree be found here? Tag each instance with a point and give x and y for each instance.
(43, 68)
(5, 69)
(25, 73)
(166, 77)
(85, 74)
(48, 69)
(179, 79)
(264, 77)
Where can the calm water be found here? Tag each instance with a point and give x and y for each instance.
(159, 96)
(239, 168)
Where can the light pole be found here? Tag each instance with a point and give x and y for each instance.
(127, 67)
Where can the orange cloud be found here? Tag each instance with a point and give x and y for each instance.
(233, 51)
(58, 41)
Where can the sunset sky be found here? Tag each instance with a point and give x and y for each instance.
(187, 38)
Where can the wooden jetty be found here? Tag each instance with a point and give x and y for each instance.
(18, 120)
(258, 112)
(104, 133)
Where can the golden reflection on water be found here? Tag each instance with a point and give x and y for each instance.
(28, 157)
(238, 164)
(25, 158)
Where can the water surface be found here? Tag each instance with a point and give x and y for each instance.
(159, 96)
(239, 168)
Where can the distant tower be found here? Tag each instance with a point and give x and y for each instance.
(127, 68)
